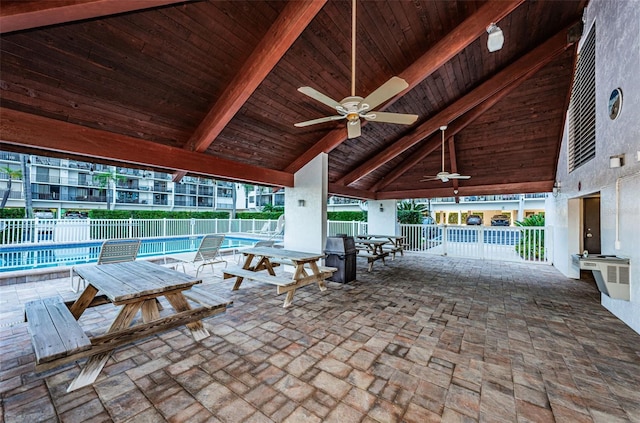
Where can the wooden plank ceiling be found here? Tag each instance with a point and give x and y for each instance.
(210, 88)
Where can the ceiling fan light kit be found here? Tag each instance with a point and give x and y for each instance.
(353, 108)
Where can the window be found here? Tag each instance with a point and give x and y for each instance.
(582, 107)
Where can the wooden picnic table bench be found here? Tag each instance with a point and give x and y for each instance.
(57, 334)
(372, 250)
(307, 270)
(394, 245)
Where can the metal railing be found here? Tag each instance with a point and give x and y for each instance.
(530, 244)
(30, 231)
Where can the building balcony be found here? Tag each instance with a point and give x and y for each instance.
(12, 157)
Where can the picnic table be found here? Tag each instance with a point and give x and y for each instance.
(372, 250)
(135, 286)
(396, 242)
(307, 270)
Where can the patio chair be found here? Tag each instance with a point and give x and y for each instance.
(208, 254)
(279, 226)
(112, 251)
(265, 230)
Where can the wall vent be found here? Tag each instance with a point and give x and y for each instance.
(582, 107)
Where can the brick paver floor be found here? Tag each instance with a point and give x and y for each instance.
(425, 338)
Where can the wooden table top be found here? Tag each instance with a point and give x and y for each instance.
(281, 253)
(123, 282)
(382, 236)
(372, 241)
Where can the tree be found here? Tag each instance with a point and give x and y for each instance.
(12, 174)
(234, 196)
(107, 180)
(411, 213)
(410, 205)
(26, 186)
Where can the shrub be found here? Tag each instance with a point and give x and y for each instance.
(258, 215)
(347, 216)
(17, 213)
(156, 214)
(413, 217)
(531, 243)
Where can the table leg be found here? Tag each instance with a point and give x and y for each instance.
(247, 265)
(316, 271)
(94, 364)
(179, 303)
(150, 311)
(83, 301)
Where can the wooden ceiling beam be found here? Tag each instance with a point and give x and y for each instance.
(532, 61)
(31, 131)
(291, 22)
(348, 192)
(283, 33)
(20, 15)
(446, 191)
(454, 128)
(443, 51)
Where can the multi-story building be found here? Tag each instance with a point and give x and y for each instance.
(59, 185)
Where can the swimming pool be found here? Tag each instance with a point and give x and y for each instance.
(42, 255)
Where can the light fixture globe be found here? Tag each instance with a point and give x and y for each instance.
(495, 39)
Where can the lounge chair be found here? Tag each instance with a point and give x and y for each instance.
(208, 254)
(279, 227)
(112, 251)
(266, 228)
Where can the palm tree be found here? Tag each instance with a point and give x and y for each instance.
(234, 196)
(26, 186)
(12, 174)
(107, 180)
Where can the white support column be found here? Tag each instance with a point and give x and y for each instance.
(520, 216)
(305, 208)
(382, 217)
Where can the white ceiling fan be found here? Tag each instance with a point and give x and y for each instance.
(353, 108)
(444, 176)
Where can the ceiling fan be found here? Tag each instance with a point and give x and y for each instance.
(353, 108)
(444, 176)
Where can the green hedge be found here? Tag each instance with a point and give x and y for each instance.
(259, 215)
(347, 216)
(17, 213)
(342, 216)
(155, 214)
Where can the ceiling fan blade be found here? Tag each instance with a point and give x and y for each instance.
(353, 129)
(429, 178)
(387, 90)
(458, 176)
(317, 95)
(319, 120)
(400, 118)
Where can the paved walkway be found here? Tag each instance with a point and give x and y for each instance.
(421, 339)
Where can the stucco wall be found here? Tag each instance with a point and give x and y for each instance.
(306, 225)
(617, 65)
(382, 222)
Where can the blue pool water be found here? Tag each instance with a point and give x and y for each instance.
(40, 255)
